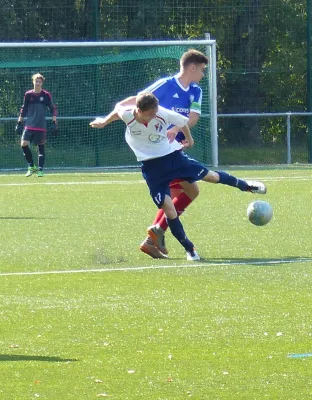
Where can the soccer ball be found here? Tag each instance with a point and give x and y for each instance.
(259, 212)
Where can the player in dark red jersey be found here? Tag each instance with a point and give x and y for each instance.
(36, 102)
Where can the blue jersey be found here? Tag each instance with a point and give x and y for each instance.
(173, 96)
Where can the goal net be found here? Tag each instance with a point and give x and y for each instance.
(86, 80)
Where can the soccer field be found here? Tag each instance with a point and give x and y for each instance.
(86, 315)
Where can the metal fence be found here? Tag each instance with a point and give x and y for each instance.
(287, 150)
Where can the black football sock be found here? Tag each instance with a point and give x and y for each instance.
(230, 180)
(28, 155)
(41, 156)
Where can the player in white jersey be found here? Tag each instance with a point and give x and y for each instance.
(163, 160)
(182, 94)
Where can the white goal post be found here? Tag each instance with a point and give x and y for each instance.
(87, 65)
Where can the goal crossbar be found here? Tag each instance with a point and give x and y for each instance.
(110, 44)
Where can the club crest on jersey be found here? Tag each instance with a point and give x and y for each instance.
(41, 99)
(155, 138)
(158, 127)
(191, 98)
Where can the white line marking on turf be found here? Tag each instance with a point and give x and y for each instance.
(197, 264)
(75, 183)
(140, 181)
(299, 355)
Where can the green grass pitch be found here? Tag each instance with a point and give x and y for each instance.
(86, 315)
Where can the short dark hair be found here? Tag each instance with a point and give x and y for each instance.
(146, 101)
(193, 56)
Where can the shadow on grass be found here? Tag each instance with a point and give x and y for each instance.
(22, 357)
(255, 261)
(267, 167)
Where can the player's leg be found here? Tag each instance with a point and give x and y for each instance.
(182, 193)
(230, 180)
(27, 137)
(177, 229)
(41, 159)
(40, 140)
(182, 164)
(158, 174)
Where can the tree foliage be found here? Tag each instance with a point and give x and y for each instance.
(262, 52)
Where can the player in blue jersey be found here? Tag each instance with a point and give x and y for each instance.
(182, 94)
(163, 160)
(34, 107)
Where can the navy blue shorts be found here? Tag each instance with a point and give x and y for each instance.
(159, 172)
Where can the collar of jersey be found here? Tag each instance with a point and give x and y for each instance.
(37, 94)
(179, 84)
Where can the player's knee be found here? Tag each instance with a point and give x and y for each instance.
(193, 192)
(24, 143)
(171, 214)
(211, 177)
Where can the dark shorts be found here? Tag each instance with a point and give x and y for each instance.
(160, 172)
(36, 137)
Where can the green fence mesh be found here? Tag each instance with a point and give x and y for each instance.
(86, 82)
(264, 53)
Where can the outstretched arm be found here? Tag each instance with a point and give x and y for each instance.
(101, 122)
(129, 101)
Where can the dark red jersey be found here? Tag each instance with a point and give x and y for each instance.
(34, 108)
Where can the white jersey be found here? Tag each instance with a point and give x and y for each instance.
(150, 140)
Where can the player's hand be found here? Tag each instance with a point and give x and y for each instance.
(19, 128)
(187, 144)
(172, 133)
(54, 129)
(97, 123)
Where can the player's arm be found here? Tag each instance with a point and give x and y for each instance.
(193, 119)
(23, 112)
(101, 122)
(53, 109)
(189, 141)
(195, 108)
(129, 101)
(24, 109)
(174, 130)
(158, 88)
(181, 123)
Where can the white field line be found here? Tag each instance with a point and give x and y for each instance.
(74, 183)
(197, 264)
(140, 181)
